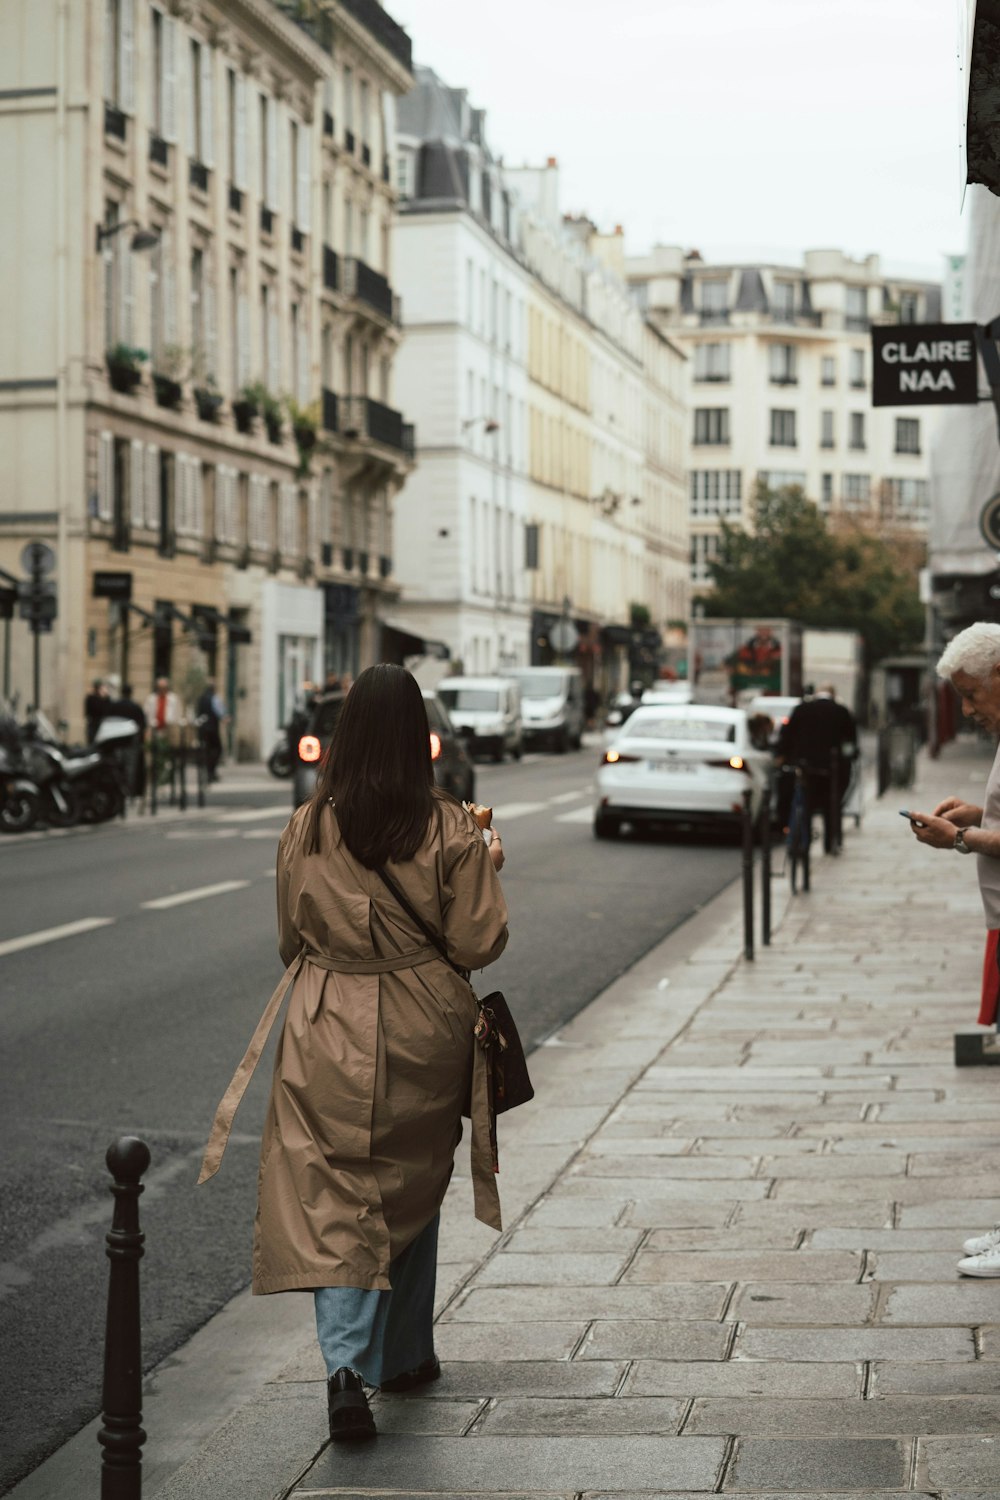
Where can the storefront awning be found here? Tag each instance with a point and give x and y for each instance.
(400, 642)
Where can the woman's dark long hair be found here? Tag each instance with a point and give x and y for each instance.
(378, 770)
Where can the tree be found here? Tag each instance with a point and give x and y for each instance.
(796, 565)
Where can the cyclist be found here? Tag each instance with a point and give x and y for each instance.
(822, 736)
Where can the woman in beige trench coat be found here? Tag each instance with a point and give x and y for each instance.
(376, 1060)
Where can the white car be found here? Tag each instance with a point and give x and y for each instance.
(679, 764)
(669, 692)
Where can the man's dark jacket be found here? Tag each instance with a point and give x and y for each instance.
(817, 728)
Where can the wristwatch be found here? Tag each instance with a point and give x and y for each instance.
(960, 845)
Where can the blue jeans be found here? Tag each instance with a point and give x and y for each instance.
(380, 1335)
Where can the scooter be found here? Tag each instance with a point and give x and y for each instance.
(20, 799)
(280, 762)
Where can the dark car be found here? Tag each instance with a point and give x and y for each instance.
(453, 770)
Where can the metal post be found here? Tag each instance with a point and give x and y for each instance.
(747, 874)
(6, 659)
(181, 763)
(765, 866)
(121, 1435)
(834, 804)
(154, 775)
(37, 664)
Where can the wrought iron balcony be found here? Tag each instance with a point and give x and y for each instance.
(331, 269)
(713, 317)
(330, 410)
(370, 287)
(361, 417)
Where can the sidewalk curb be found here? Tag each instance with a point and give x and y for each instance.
(231, 1370)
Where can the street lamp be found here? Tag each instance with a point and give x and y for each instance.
(143, 239)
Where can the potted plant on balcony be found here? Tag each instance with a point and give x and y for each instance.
(271, 411)
(208, 399)
(305, 429)
(169, 371)
(123, 364)
(247, 405)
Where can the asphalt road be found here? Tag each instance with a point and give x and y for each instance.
(132, 1025)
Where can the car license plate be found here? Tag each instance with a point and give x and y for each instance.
(671, 765)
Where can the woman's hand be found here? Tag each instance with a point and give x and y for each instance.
(496, 850)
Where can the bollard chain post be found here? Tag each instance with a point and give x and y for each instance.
(748, 874)
(121, 1435)
(765, 865)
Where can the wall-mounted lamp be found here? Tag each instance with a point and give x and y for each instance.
(490, 424)
(143, 239)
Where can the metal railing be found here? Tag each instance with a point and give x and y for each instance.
(360, 280)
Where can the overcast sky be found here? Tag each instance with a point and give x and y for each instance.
(733, 126)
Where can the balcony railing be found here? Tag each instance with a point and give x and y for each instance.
(371, 287)
(331, 269)
(856, 323)
(115, 122)
(361, 417)
(713, 317)
(383, 28)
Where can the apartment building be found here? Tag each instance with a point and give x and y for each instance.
(779, 376)
(198, 380)
(550, 485)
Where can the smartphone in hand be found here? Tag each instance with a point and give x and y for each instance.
(904, 813)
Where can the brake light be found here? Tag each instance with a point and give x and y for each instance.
(616, 758)
(734, 763)
(435, 746)
(310, 749)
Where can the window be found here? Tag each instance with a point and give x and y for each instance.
(711, 361)
(783, 300)
(857, 307)
(856, 369)
(197, 300)
(781, 479)
(907, 435)
(348, 98)
(828, 370)
(782, 429)
(711, 424)
(195, 142)
(826, 429)
(909, 307)
(404, 174)
(714, 297)
(715, 492)
(531, 547)
(365, 94)
(856, 431)
(156, 98)
(906, 500)
(119, 56)
(856, 490)
(111, 276)
(826, 491)
(703, 550)
(783, 364)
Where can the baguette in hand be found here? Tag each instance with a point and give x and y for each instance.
(481, 816)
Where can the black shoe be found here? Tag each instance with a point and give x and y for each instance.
(422, 1374)
(351, 1420)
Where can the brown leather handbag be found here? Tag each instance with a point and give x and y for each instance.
(495, 1031)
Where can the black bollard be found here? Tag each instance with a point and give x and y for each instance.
(182, 802)
(748, 874)
(835, 829)
(765, 866)
(122, 1436)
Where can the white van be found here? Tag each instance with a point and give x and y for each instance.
(486, 711)
(551, 705)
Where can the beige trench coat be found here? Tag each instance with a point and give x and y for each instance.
(375, 1059)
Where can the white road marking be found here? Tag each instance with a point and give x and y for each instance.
(517, 810)
(578, 815)
(260, 833)
(199, 894)
(251, 814)
(203, 833)
(237, 788)
(53, 934)
(567, 797)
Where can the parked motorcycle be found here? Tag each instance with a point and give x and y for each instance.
(20, 800)
(280, 762)
(77, 783)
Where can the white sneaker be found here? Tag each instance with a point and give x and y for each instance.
(983, 1242)
(986, 1264)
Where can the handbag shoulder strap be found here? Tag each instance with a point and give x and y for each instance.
(425, 927)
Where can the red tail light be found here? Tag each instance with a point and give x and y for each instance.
(734, 763)
(310, 749)
(435, 746)
(616, 758)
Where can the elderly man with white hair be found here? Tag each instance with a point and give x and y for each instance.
(971, 662)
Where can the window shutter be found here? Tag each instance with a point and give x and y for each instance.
(273, 362)
(312, 544)
(105, 467)
(302, 373)
(289, 539)
(152, 487)
(126, 57)
(168, 271)
(169, 83)
(286, 187)
(126, 290)
(110, 50)
(211, 345)
(207, 113)
(303, 187)
(240, 143)
(191, 95)
(232, 502)
(180, 493)
(243, 337)
(197, 498)
(271, 195)
(136, 478)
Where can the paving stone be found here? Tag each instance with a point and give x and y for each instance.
(989, 1337)
(510, 1269)
(825, 1167)
(801, 1302)
(899, 1416)
(651, 1267)
(897, 1378)
(496, 1341)
(893, 1240)
(770, 1146)
(471, 1466)
(908, 1191)
(703, 1168)
(510, 1306)
(679, 1190)
(430, 1418)
(650, 1145)
(898, 1141)
(743, 1377)
(576, 1213)
(838, 1463)
(910, 1265)
(946, 1164)
(691, 1495)
(669, 1213)
(973, 1462)
(652, 1339)
(649, 1416)
(964, 1302)
(837, 1344)
(559, 1241)
(876, 1213)
(969, 1215)
(749, 1239)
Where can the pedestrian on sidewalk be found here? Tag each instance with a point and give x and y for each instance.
(95, 707)
(210, 714)
(971, 662)
(822, 736)
(377, 1060)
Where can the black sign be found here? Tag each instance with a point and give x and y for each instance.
(8, 599)
(113, 586)
(36, 603)
(239, 635)
(925, 364)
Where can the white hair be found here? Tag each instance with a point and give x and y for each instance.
(975, 650)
